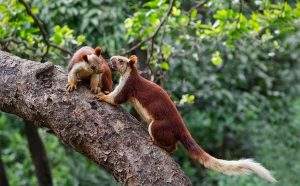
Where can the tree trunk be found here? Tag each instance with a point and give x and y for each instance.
(38, 155)
(3, 177)
(104, 133)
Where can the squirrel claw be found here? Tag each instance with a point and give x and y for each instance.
(100, 96)
(95, 90)
(70, 87)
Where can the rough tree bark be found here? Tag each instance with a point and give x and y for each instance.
(104, 133)
(38, 155)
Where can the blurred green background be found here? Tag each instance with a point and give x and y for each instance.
(231, 67)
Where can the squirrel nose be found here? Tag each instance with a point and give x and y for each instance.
(109, 64)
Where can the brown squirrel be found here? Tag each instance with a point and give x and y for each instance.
(166, 126)
(87, 63)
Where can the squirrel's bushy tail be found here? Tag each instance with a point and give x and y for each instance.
(233, 167)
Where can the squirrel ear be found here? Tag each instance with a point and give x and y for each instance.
(97, 51)
(132, 60)
(84, 57)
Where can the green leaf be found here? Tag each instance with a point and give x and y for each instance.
(80, 39)
(56, 28)
(193, 13)
(153, 19)
(216, 59)
(176, 11)
(35, 9)
(276, 44)
(183, 20)
(221, 14)
(191, 99)
(166, 51)
(186, 98)
(57, 39)
(165, 66)
(152, 4)
(128, 22)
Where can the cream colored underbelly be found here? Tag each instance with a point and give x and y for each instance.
(141, 110)
(84, 74)
(82, 70)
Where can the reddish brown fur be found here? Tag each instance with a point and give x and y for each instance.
(167, 126)
(106, 79)
(98, 51)
(77, 57)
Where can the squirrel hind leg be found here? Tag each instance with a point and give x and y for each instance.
(171, 149)
(162, 135)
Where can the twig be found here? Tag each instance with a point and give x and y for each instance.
(198, 5)
(43, 31)
(6, 41)
(46, 53)
(36, 21)
(161, 42)
(61, 48)
(156, 30)
(149, 54)
(229, 7)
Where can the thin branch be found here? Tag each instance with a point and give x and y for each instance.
(198, 5)
(153, 35)
(149, 55)
(61, 48)
(229, 7)
(6, 41)
(43, 31)
(45, 54)
(36, 21)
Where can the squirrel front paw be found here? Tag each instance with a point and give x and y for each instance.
(95, 90)
(70, 87)
(100, 96)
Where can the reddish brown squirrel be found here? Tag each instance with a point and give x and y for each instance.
(87, 63)
(166, 126)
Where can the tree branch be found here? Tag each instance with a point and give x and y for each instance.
(153, 35)
(43, 31)
(6, 41)
(198, 5)
(106, 134)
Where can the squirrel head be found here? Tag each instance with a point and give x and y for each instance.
(93, 60)
(122, 64)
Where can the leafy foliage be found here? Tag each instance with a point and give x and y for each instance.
(100, 21)
(231, 67)
(20, 35)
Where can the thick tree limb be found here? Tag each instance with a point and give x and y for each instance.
(104, 133)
